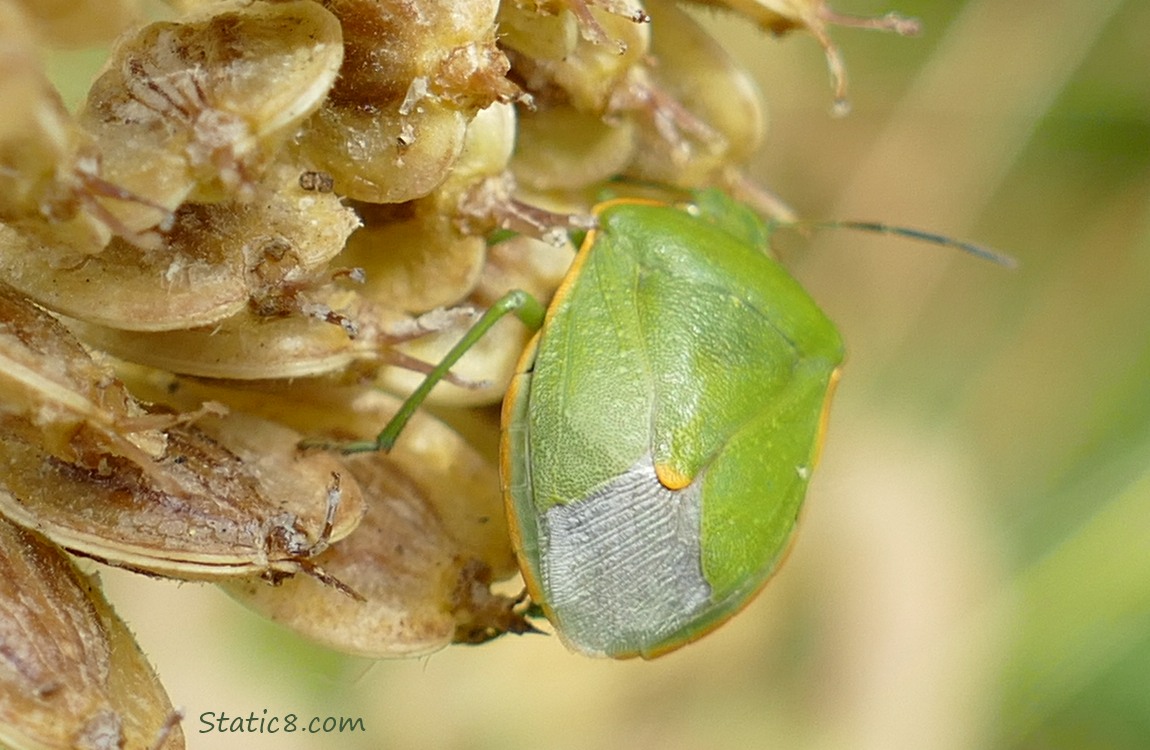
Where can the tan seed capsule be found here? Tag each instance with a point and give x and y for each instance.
(216, 260)
(249, 346)
(233, 498)
(197, 109)
(591, 26)
(51, 183)
(414, 256)
(414, 76)
(55, 395)
(486, 151)
(423, 558)
(562, 148)
(461, 485)
(415, 580)
(433, 539)
(448, 45)
(528, 30)
(702, 113)
(520, 262)
(73, 676)
(590, 75)
(382, 155)
(420, 255)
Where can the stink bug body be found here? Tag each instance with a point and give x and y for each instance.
(662, 427)
(661, 430)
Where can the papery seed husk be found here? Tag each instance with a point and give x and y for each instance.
(390, 43)
(197, 109)
(543, 36)
(72, 675)
(250, 346)
(212, 263)
(461, 484)
(201, 512)
(48, 166)
(400, 559)
(53, 393)
(486, 152)
(378, 154)
(562, 148)
(700, 77)
(415, 258)
(518, 263)
(590, 75)
(153, 290)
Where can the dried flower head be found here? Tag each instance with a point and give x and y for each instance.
(264, 214)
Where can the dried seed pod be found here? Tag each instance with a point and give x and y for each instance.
(392, 43)
(55, 395)
(535, 33)
(461, 485)
(486, 150)
(782, 16)
(518, 263)
(229, 497)
(550, 30)
(414, 76)
(50, 179)
(579, 134)
(417, 256)
(418, 586)
(153, 290)
(380, 154)
(197, 109)
(414, 256)
(215, 261)
(562, 148)
(593, 30)
(248, 346)
(74, 676)
(701, 114)
(433, 538)
(480, 195)
(589, 76)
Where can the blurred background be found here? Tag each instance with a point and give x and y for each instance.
(973, 570)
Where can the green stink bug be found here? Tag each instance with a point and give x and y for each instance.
(660, 432)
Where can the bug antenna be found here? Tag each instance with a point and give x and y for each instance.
(970, 248)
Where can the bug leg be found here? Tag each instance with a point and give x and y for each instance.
(399, 359)
(165, 731)
(317, 572)
(285, 540)
(481, 615)
(590, 28)
(333, 499)
(526, 308)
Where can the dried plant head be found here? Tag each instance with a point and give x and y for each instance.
(266, 216)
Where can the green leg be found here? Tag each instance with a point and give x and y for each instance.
(526, 308)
